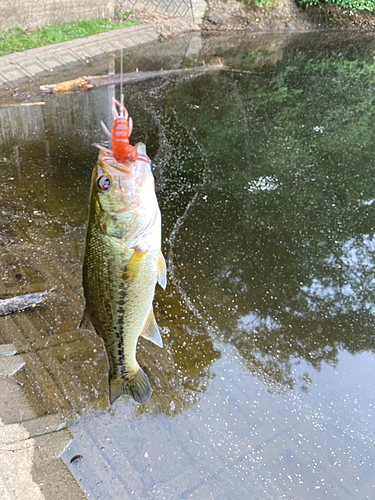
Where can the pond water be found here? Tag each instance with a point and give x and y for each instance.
(265, 176)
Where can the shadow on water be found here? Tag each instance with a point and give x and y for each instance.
(265, 177)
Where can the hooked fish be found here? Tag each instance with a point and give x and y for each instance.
(123, 258)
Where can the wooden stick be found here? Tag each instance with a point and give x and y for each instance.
(22, 104)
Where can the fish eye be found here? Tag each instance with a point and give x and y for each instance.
(104, 183)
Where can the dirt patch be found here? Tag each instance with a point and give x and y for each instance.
(234, 14)
(285, 15)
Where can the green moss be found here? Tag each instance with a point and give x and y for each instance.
(349, 6)
(16, 40)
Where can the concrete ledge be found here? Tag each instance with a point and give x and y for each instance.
(23, 67)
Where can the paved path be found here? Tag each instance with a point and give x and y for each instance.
(22, 67)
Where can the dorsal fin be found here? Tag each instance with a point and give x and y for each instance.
(150, 330)
(162, 271)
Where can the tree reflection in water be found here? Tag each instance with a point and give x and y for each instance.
(276, 250)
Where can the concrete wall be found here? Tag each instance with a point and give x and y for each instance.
(36, 13)
(76, 117)
(180, 8)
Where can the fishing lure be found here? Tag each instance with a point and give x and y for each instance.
(122, 128)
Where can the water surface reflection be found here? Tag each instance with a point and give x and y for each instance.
(265, 176)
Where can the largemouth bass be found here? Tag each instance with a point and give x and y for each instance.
(122, 263)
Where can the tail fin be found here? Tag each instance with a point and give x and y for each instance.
(137, 386)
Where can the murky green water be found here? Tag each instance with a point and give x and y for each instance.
(265, 176)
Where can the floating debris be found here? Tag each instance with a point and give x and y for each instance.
(87, 82)
(21, 302)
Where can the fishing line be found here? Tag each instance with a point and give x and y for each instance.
(121, 94)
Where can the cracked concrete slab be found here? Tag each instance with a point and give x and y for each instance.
(30, 446)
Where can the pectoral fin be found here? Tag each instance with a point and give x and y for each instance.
(85, 323)
(151, 331)
(162, 271)
(133, 266)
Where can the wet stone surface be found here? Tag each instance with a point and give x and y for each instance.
(265, 177)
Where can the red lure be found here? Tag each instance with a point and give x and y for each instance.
(122, 128)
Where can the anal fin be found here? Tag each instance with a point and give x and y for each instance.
(150, 330)
(162, 271)
(85, 323)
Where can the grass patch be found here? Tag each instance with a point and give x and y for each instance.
(16, 40)
(261, 4)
